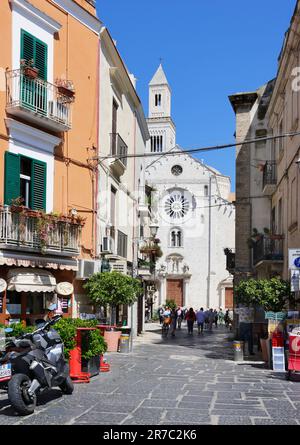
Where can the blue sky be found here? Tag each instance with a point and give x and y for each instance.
(210, 49)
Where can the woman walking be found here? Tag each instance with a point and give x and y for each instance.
(190, 318)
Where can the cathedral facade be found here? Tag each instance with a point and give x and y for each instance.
(191, 202)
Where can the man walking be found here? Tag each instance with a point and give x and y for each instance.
(200, 316)
(211, 319)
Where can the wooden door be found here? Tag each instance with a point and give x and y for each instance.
(175, 291)
(228, 298)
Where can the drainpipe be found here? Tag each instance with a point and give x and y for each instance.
(134, 246)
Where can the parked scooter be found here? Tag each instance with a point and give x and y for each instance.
(36, 362)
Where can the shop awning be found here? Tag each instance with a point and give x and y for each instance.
(28, 280)
(27, 260)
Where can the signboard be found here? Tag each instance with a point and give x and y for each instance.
(64, 288)
(295, 280)
(3, 285)
(294, 259)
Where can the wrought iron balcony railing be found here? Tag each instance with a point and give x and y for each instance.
(270, 174)
(37, 101)
(20, 231)
(119, 148)
(268, 249)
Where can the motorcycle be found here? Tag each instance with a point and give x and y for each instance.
(32, 363)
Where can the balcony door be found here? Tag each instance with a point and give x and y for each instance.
(33, 92)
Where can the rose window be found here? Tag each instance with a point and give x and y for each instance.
(177, 206)
(176, 170)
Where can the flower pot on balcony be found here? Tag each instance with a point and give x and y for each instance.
(31, 72)
(65, 91)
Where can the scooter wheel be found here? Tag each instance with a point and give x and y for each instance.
(18, 394)
(67, 387)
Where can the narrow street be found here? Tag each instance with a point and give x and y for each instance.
(181, 380)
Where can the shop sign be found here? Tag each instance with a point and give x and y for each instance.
(3, 285)
(294, 258)
(295, 280)
(64, 288)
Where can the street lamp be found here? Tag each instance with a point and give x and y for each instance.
(153, 228)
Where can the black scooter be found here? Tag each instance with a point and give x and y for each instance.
(37, 363)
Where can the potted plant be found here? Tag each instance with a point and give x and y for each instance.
(92, 342)
(112, 289)
(65, 87)
(151, 249)
(29, 69)
(273, 295)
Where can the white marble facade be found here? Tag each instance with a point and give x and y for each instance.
(196, 219)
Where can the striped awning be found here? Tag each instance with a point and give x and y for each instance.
(29, 280)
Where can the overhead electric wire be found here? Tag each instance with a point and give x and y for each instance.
(195, 150)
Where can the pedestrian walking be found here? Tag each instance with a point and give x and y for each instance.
(211, 319)
(200, 317)
(190, 318)
(216, 318)
(173, 322)
(179, 316)
(206, 319)
(160, 314)
(221, 316)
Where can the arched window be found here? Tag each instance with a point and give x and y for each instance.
(176, 238)
(206, 190)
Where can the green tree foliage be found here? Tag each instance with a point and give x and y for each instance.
(272, 294)
(113, 288)
(171, 304)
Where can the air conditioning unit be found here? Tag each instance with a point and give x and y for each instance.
(86, 268)
(107, 244)
(119, 266)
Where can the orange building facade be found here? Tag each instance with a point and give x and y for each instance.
(48, 133)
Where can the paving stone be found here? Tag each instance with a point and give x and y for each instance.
(234, 420)
(275, 421)
(189, 416)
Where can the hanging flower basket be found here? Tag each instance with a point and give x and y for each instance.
(31, 72)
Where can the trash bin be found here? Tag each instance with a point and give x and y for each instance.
(124, 343)
(238, 350)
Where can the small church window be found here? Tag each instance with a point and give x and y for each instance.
(206, 190)
(157, 100)
(176, 238)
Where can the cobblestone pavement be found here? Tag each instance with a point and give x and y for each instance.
(176, 381)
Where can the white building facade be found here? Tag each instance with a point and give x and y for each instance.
(196, 219)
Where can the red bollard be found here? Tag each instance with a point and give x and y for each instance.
(75, 363)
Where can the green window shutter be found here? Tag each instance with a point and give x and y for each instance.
(40, 58)
(27, 46)
(11, 177)
(38, 185)
(33, 48)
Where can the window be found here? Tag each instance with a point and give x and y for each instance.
(260, 134)
(36, 50)
(177, 205)
(279, 225)
(280, 140)
(122, 244)
(206, 190)
(293, 201)
(176, 170)
(156, 144)
(176, 238)
(26, 178)
(157, 100)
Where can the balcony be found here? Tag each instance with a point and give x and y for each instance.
(37, 101)
(269, 177)
(27, 231)
(119, 150)
(230, 260)
(268, 249)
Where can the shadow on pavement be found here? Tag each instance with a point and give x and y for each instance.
(42, 400)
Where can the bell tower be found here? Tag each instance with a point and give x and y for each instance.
(161, 127)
